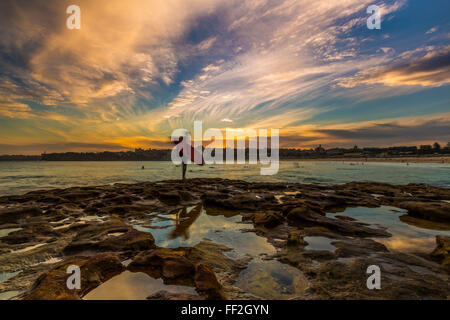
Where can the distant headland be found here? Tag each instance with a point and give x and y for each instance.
(319, 153)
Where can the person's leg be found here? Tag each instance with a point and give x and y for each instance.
(184, 166)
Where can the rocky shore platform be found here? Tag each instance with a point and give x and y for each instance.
(44, 232)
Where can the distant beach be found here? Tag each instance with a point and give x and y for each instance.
(440, 159)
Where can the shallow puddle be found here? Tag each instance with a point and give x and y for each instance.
(115, 234)
(28, 248)
(7, 295)
(272, 280)
(195, 224)
(48, 261)
(60, 221)
(64, 226)
(278, 197)
(5, 232)
(268, 279)
(319, 243)
(91, 219)
(292, 193)
(7, 275)
(408, 234)
(133, 286)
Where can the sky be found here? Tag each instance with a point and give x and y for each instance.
(139, 69)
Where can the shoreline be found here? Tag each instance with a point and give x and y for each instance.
(438, 159)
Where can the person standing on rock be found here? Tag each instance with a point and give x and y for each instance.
(184, 160)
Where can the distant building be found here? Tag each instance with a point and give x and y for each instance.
(446, 149)
(437, 147)
(319, 149)
(335, 151)
(425, 149)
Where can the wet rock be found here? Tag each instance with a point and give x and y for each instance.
(213, 198)
(176, 268)
(206, 281)
(79, 195)
(336, 201)
(19, 214)
(166, 263)
(345, 218)
(305, 213)
(51, 219)
(212, 254)
(238, 201)
(268, 220)
(336, 280)
(165, 295)
(35, 233)
(374, 188)
(132, 240)
(433, 211)
(51, 199)
(357, 247)
(425, 224)
(186, 195)
(94, 270)
(309, 217)
(125, 210)
(225, 269)
(123, 199)
(319, 255)
(171, 197)
(441, 253)
(295, 239)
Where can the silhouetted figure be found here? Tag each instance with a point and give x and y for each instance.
(184, 160)
(183, 164)
(184, 167)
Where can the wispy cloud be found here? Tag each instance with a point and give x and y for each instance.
(297, 52)
(432, 69)
(37, 149)
(402, 131)
(432, 30)
(123, 52)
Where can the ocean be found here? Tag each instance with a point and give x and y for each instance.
(21, 177)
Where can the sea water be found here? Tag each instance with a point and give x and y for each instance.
(21, 177)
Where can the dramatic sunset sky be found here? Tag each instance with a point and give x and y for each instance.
(139, 69)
